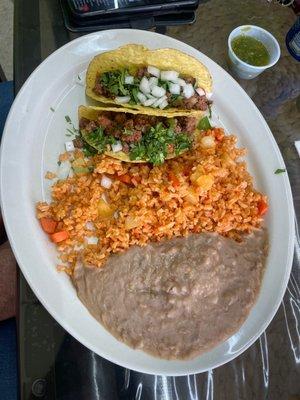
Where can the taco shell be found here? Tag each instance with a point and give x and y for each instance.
(133, 56)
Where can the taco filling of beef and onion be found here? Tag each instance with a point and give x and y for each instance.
(138, 137)
(151, 87)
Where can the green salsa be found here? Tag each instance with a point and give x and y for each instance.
(250, 50)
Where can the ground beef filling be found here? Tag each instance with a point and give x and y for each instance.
(195, 102)
(129, 128)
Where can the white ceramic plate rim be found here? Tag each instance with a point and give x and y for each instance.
(159, 366)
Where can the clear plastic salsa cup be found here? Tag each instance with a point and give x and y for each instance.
(242, 69)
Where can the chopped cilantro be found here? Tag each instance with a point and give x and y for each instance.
(71, 132)
(134, 92)
(52, 109)
(154, 145)
(58, 162)
(163, 84)
(98, 140)
(127, 132)
(114, 82)
(175, 100)
(204, 124)
(78, 77)
(68, 119)
(279, 171)
(138, 152)
(183, 142)
(88, 150)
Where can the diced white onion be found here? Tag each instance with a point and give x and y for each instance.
(144, 85)
(149, 102)
(207, 142)
(69, 146)
(129, 80)
(163, 104)
(90, 226)
(92, 240)
(141, 97)
(157, 91)
(106, 182)
(169, 76)
(200, 91)
(209, 95)
(181, 82)
(153, 71)
(153, 81)
(78, 247)
(159, 101)
(174, 88)
(122, 99)
(64, 170)
(116, 147)
(188, 91)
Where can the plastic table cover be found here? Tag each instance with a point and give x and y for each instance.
(53, 365)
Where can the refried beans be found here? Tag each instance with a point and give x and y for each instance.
(178, 298)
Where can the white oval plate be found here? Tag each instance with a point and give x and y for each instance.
(33, 138)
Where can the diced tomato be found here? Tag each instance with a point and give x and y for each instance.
(48, 224)
(262, 207)
(60, 226)
(174, 180)
(124, 178)
(187, 171)
(138, 178)
(59, 236)
(219, 134)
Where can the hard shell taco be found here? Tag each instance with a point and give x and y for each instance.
(136, 136)
(136, 77)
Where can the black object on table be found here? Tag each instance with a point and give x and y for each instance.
(53, 365)
(91, 15)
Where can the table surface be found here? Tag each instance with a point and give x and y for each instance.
(53, 365)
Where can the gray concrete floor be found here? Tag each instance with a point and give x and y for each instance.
(6, 37)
